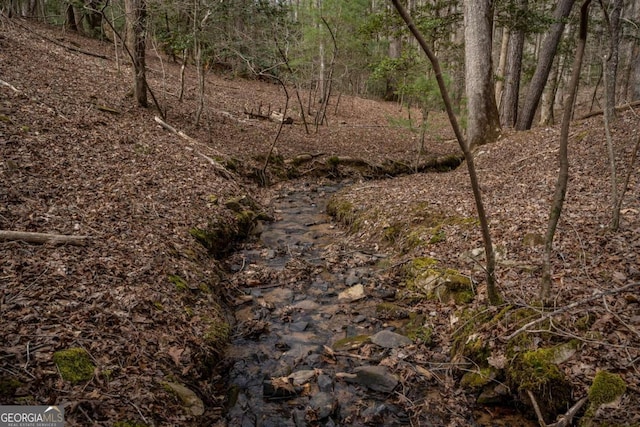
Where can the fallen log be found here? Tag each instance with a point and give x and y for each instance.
(43, 238)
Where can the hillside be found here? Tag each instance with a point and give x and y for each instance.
(150, 305)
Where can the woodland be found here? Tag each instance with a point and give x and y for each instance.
(476, 162)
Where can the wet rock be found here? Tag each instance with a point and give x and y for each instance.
(278, 295)
(306, 304)
(278, 388)
(353, 278)
(188, 398)
(323, 404)
(494, 395)
(299, 418)
(325, 383)
(359, 319)
(388, 339)
(376, 378)
(298, 326)
(354, 293)
(302, 377)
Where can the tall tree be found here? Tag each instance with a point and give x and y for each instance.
(612, 19)
(510, 96)
(483, 123)
(492, 290)
(563, 174)
(136, 15)
(545, 60)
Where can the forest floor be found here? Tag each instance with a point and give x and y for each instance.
(144, 299)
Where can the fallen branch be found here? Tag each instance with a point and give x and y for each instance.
(218, 167)
(57, 43)
(42, 238)
(563, 420)
(9, 85)
(573, 305)
(618, 108)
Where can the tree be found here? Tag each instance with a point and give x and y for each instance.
(545, 60)
(483, 123)
(510, 95)
(492, 290)
(136, 14)
(563, 174)
(612, 19)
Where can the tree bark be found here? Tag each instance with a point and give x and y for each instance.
(611, 63)
(509, 103)
(483, 123)
(563, 174)
(42, 238)
(502, 63)
(545, 60)
(136, 14)
(492, 290)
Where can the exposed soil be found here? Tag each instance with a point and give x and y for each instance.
(146, 300)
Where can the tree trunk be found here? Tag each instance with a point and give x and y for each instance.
(549, 96)
(545, 60)
(492, 290)
(502, 63)
(563, 174)
(136, 13)
(70, 21)
(509, 103)
(483, 124)
(611, 64)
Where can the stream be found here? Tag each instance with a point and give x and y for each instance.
(310, 347)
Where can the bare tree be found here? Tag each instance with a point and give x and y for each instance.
(563, 174)
(136, 12)
(483, 123)
(545, 60)
(492, 291)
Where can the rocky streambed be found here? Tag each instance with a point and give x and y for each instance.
(320, 338)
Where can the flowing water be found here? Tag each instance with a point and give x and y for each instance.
(290, 364)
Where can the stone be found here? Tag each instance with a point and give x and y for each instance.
(298, 326)
(376, 378)
(323, 404)
(188, 398)
(302, 377)
(354, 293)
(388, 339)
(325, 383)
(306, 304)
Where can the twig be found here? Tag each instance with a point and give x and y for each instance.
(223, 171)
(565, 420)
(536, 408)
(9, 85)
(569, 307)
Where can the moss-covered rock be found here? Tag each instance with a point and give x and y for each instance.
(537, 372)
(74, 364)
(606, 387)
(478, 378)
(351, 343)
(444, 284)
(417, 329)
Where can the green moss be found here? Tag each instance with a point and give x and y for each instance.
(392, 232)
(438, 237)
(468, 343)
(417, 330)
(351, 343)
(344, 212)
(179, 282)
(478, 379)
(333, 162)
(606, 387)
(8, 387)
(158, 306)
(389, 310)
(217, 333)
(536, 372)
(74, 364)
